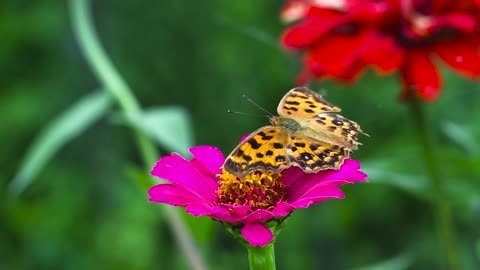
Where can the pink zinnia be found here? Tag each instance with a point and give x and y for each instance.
(204, 189)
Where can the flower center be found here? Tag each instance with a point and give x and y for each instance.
(260, 190)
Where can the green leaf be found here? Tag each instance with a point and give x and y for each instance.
(461, 137)
(57, 133)
(400, 262)
(141, 176)
(380, 173)
(170, 127)
(477, 248)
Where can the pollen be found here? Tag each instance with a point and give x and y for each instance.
(260, 190)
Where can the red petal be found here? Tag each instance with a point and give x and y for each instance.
(339, 56)
(462, 55)
(312, 29)
(420, 75)
(345, 56)
(383, 52)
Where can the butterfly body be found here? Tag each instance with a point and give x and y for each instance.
(307, 134)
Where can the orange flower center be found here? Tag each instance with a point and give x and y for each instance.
(260, 190)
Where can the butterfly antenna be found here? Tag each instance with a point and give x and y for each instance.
(244, 113)
(256, 105)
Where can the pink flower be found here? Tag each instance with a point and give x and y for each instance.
(204, 189)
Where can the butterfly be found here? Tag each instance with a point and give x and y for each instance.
(307, 133)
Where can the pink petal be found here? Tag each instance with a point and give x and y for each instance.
(327, 177)
(283, 209)
(215, 212)
(244, 137)
(259, 215)
(317, 195)
(238, 211)
(351, 162)
(257, 234)
(358, 177)
(210, 156)
(179, 171)
(173, 195)
(292, 175)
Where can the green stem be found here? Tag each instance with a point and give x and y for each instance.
(443, 215)
(118, 88)
(262, 258)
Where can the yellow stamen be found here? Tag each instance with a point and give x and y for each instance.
(261, 190)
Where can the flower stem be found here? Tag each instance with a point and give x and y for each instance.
(115, 84)
(262, 258)
(443, 215)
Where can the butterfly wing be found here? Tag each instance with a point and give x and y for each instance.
(264, 150)
(333, 128)
(302, 103)
(312, 155)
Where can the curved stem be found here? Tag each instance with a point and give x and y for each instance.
(262, 258)
(118, 88)
(443, 215)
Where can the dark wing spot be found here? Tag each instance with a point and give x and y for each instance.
(254, 143)
(292, 102)
(320, 122)
(260, 155)
(314, 147)
(337, 122)
(267, 138)
(290, 108)
(323, 118)
(261, 133)
(312, 106)
(322, 155)
(332, 128)
(294, 148)
(247, 158)
(277, 145)
(280, 159)
(299, 144)
(239, 153)
(269, 153)
(325, 109)
(309, 110)
(305, 156)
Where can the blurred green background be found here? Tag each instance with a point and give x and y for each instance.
(84, 210)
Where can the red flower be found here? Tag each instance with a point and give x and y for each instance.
(341, 38)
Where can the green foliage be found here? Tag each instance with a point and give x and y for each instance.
(56, 134)
(170, 127)
(400, 262)
(189, 62)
